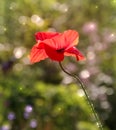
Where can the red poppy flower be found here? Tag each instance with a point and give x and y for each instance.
(55, 46)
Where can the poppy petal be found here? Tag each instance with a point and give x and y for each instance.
(53, 54)
(56, 43)
(71, 37)
(45, 35)
(62, 41)
(38, 53)
(74, 52)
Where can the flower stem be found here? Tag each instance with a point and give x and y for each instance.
(98, 122)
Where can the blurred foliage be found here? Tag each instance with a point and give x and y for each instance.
(40, 96)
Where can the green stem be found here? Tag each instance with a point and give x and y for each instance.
(99, 124)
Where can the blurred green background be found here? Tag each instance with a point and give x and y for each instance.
(41, 96)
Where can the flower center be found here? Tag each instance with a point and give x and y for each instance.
(60, 50)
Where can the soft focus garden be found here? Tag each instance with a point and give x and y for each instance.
(41, 96)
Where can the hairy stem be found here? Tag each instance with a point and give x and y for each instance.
(98, 122)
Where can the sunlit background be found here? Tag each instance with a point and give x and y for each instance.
(41, 96)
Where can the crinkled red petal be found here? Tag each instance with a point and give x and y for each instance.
(74, 52)
(62, 41)
(37, 53)
(56, 43)
(53, 54)
(45, 35)
(71, 37)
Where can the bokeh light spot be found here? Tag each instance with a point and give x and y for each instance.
(2, 30)
(105, 105)
(91, 55)
(61, 7)
(33, 123)
(80, 93)
(89, 27)
(109, 91)
(5, 127)
(13, 6)
(28, 108)
(37, 20)
(19, 52)
(85, 74)
(11, 116)
(22, 20)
